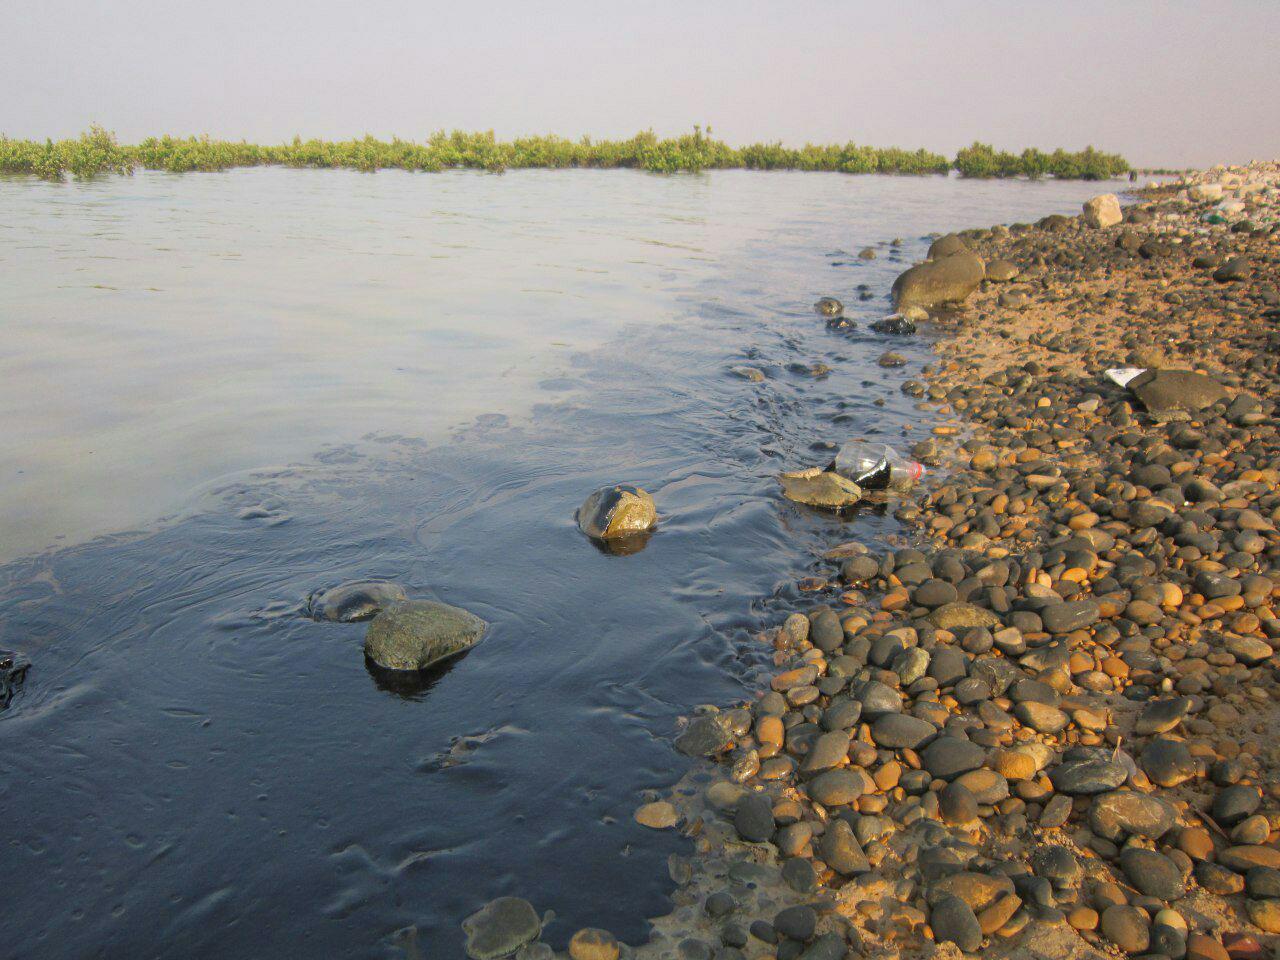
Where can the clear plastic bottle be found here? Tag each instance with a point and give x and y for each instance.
(875, 466)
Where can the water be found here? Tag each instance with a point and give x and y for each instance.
(274, 381)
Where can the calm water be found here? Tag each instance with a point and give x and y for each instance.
(220, 392)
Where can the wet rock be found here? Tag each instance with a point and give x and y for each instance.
(754, 818)
(354, 601)
(593, 944)
(798, 923)
(660, 815)
(895, 325)
(500, 927)
(953, 921)
(414, 634)
(828, 307)
(13, 672)
(752, 374)
(705, 736)
(937, 282)
(617, 511)
(820, 488)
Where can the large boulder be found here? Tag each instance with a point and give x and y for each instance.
(414, 634)
(1103, 211)
(939, 282)
(1176, 391)
(616, 511)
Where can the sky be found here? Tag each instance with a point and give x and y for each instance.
(1167, 84)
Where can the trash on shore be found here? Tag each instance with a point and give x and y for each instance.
(1121, 376)
(877, 467)
(820, 488)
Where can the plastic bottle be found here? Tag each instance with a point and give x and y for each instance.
(877, 466)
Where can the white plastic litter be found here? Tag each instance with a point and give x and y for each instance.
(1122, 375)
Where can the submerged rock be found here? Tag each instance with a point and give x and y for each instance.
(354, 601)
(621, 510)
(13, 671)
(414, 634)
(820, 488)
(828, 307)
(500, 928)
(937, 282)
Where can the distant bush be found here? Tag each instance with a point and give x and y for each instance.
(97, 152)
(983, 160)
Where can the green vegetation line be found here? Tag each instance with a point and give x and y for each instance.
(97, 151)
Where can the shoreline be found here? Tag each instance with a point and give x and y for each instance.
(1046, 731)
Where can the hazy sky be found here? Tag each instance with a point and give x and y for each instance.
(1165, 83)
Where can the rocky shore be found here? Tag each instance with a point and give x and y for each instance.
(1046, 729)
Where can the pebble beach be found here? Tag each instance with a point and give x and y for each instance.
(1043, 725)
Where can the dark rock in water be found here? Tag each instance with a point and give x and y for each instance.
(798, 923)
(828, 307)
(1161, 391)
(754, 818)
(350, 602)
(953, 921)
(13, 671)
(899, 326)
(938, 282)
(621, 510)
(945, 246)
(705, 736)
(500, 928)
(414, 634)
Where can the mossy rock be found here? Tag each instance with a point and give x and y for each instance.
(414, 634)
